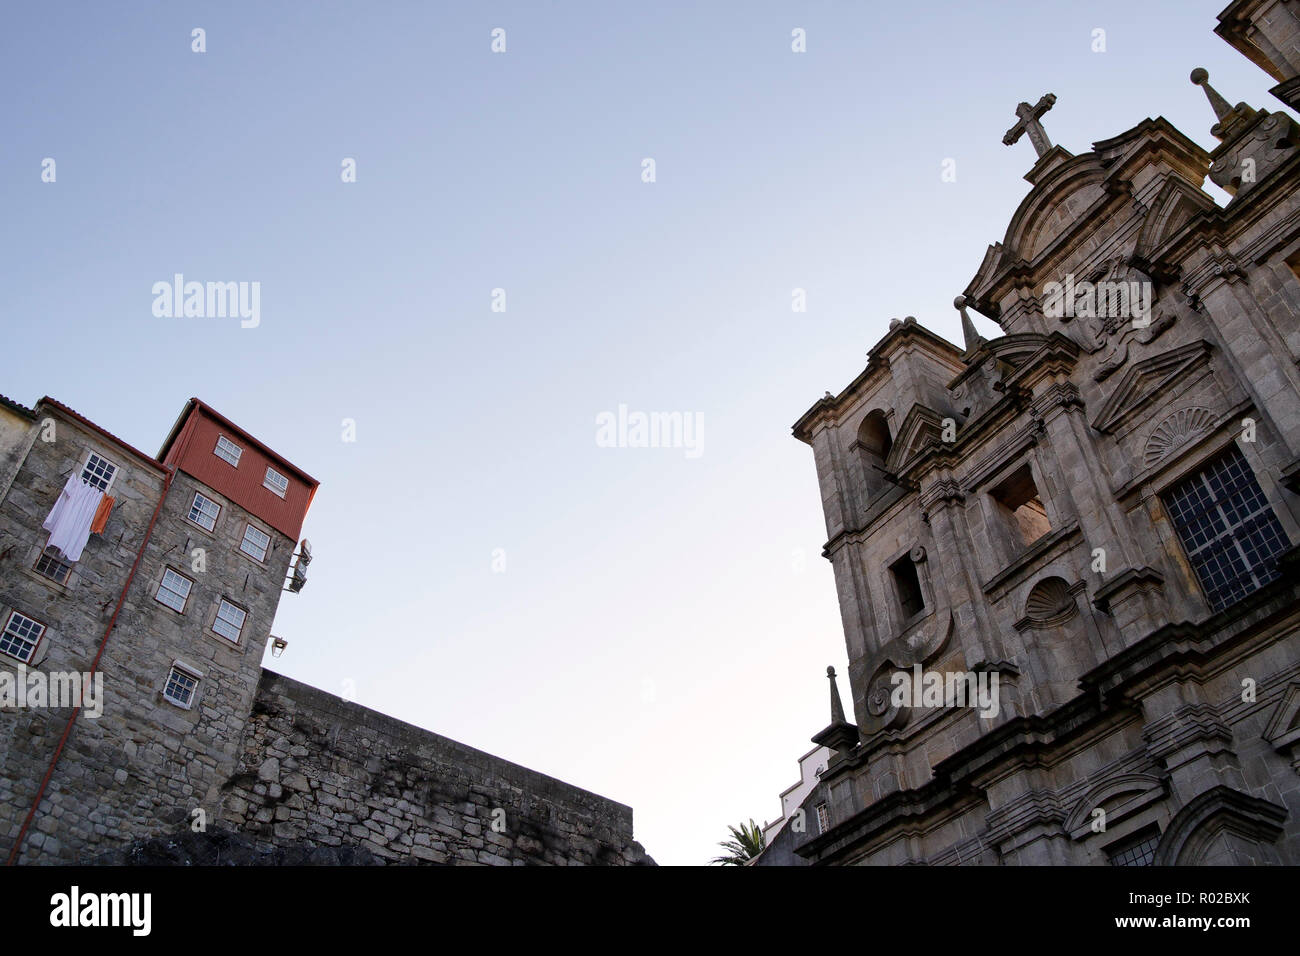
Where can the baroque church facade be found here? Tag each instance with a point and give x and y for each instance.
(1092, 518)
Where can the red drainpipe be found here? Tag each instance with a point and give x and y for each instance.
(67, 730)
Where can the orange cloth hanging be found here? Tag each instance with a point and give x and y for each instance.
(101, 515)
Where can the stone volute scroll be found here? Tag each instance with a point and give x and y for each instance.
(921, 644)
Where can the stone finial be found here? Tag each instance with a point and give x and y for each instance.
(837, 707)
(840, 735)
(971, 337)
(1222, 108)
(1232, 121)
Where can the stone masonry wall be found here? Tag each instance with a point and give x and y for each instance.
(145, 764)
(316, 769)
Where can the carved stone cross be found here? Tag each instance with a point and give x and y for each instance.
(1030, 123)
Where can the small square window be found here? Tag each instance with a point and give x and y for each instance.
(1017, 497)
(276, 482)
(228, 451)
(53, 567)
(174, 590)
(255, 543)
(229, 621)
(98, 472)
(20, 636)
(204, 511)
(180, 687)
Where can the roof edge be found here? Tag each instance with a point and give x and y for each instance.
(104, 432)
(197, 403)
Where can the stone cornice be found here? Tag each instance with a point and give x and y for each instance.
(1143, 578)
(1044, 740)
(1045, 548)
(970, 435)
(941, 491)
(1181, 728)
(1033, 808)
(1218, 230)
(1185, 647)
(907, 332)
(1062, 396)
(1005, 453)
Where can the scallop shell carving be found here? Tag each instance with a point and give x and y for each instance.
(1050, 601)
(1179, 427)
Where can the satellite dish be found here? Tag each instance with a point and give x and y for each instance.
(304, 556)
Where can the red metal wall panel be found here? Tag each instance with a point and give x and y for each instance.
(193, 453)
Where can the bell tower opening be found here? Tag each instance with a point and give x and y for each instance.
(874, 443)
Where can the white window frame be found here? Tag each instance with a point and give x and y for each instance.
(823, 818)
(25, 638)
(162, 584)
(226, 454)
(187, 672)
(218, 619)
(275, 486)
(265, 550)
(97, 477)
(194, 504)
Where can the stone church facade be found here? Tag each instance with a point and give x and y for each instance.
(1091, 518)
(190, 741)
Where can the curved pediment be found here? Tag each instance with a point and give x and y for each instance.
(1060, 201)
(1117, 798)
(1017, 348)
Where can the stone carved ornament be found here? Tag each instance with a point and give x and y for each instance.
(1094, 330)
(1050, 603)
(1174, 431)
(920, 645)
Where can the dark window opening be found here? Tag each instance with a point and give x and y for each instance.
(874, 443)
(52, 567)
(908, 587)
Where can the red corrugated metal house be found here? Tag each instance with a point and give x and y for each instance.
(215, 451)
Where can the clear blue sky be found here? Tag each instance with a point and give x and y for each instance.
(655, 636)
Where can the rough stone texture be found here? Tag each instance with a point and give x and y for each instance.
(1121, 689)
(319, 770)
(221, 847)
(145, 763)
(301, 770)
